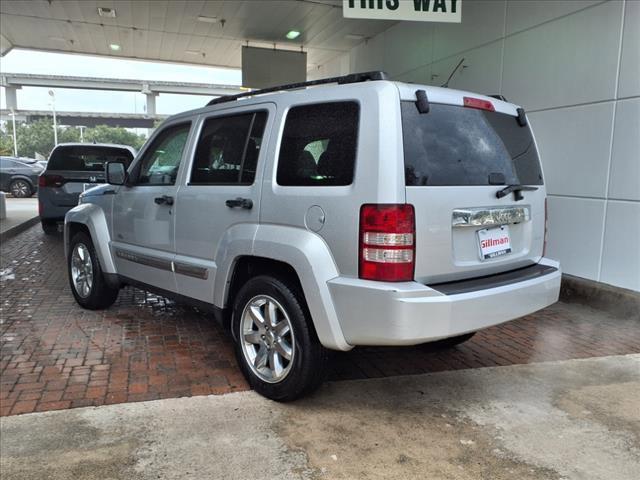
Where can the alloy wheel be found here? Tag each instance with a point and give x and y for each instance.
(20, 189)
(81, 270)
(267, 339)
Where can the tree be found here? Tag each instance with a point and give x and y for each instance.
(106, 134)
(37, 137)
(6, 142)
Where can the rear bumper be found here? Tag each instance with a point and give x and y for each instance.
(379, 313)
(49, 207)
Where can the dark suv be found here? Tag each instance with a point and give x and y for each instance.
(19, 176)
(72, 169)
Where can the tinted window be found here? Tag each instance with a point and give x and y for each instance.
(453, 145)
(228, 149)
(86, 158)
(161, 160)
(319, 145)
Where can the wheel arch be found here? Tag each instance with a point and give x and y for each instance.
(24, 178)
(304, 259)
(91, 219)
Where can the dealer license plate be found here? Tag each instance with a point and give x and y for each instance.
(494, 242)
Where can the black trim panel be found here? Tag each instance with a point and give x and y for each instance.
(147, 260)
(191, 270)
(493, 281)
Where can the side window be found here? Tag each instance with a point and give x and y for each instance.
(161, 161)
(228, 149)
(319, 145)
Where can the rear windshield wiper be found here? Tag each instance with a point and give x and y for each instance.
(515, 189)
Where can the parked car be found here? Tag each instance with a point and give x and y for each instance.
(19, 176)
(315, 219)
(71, 169)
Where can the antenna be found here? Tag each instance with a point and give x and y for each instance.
(446, 84)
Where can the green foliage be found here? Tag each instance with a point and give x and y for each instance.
(6, 144)
(106, 134)
(38, 137)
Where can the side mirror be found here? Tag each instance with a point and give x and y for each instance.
(116, 173)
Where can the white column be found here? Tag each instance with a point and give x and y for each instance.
(11, 97)
(151, 102)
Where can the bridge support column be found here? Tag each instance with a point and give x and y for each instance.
(11, 97)
(151, 102)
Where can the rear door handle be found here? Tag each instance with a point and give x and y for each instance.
(164, 200)
(239, 202)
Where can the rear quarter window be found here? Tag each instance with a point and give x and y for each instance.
(87, 159)
(319, 145)
(452, 145)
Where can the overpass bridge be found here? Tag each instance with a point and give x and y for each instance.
(150, 88)
(86, 119)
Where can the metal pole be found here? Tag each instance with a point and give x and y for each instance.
(15, 141)
(55, 124)
(81, 127)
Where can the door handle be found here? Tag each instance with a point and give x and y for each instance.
(164, 200)
(239, 202)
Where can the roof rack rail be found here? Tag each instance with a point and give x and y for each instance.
(351, 78)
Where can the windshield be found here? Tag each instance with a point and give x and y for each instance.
(454, 145)
(89, 158)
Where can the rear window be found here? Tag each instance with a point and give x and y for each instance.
(87, 159)
(454, 145)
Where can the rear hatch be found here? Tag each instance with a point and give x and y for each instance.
(71, 169)
(458, 157)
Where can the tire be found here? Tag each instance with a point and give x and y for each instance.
(451, 342)
(307, 366)
(20, 188)
(93, 294)
(49, 227)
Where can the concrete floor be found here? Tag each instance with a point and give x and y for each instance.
(574, 419)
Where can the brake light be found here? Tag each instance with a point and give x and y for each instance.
(479, 103)
(546, 229)
(387, 242)
(50, 180)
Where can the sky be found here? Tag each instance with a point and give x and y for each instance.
(35, 98)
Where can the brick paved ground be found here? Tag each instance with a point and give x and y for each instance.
(54, 355)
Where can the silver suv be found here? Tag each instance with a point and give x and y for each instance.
(326, 215)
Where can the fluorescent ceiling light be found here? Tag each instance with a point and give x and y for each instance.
(107, 12)
(202, 18)
(58, 39)
(192, 52)
(114, 46)
(354, 36)
(293, 34)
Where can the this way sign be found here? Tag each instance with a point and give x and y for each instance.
(412, 10)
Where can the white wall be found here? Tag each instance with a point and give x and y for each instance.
(575, 67)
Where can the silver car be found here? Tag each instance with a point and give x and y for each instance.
(71, 169)
(324, 216)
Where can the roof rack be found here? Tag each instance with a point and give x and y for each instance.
(351, 78)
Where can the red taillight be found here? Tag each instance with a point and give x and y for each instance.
(387, 242)
(546, 228)
(45, 180)
(478, 103)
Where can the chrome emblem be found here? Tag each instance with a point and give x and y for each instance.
(481, 217)
(93, 179)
